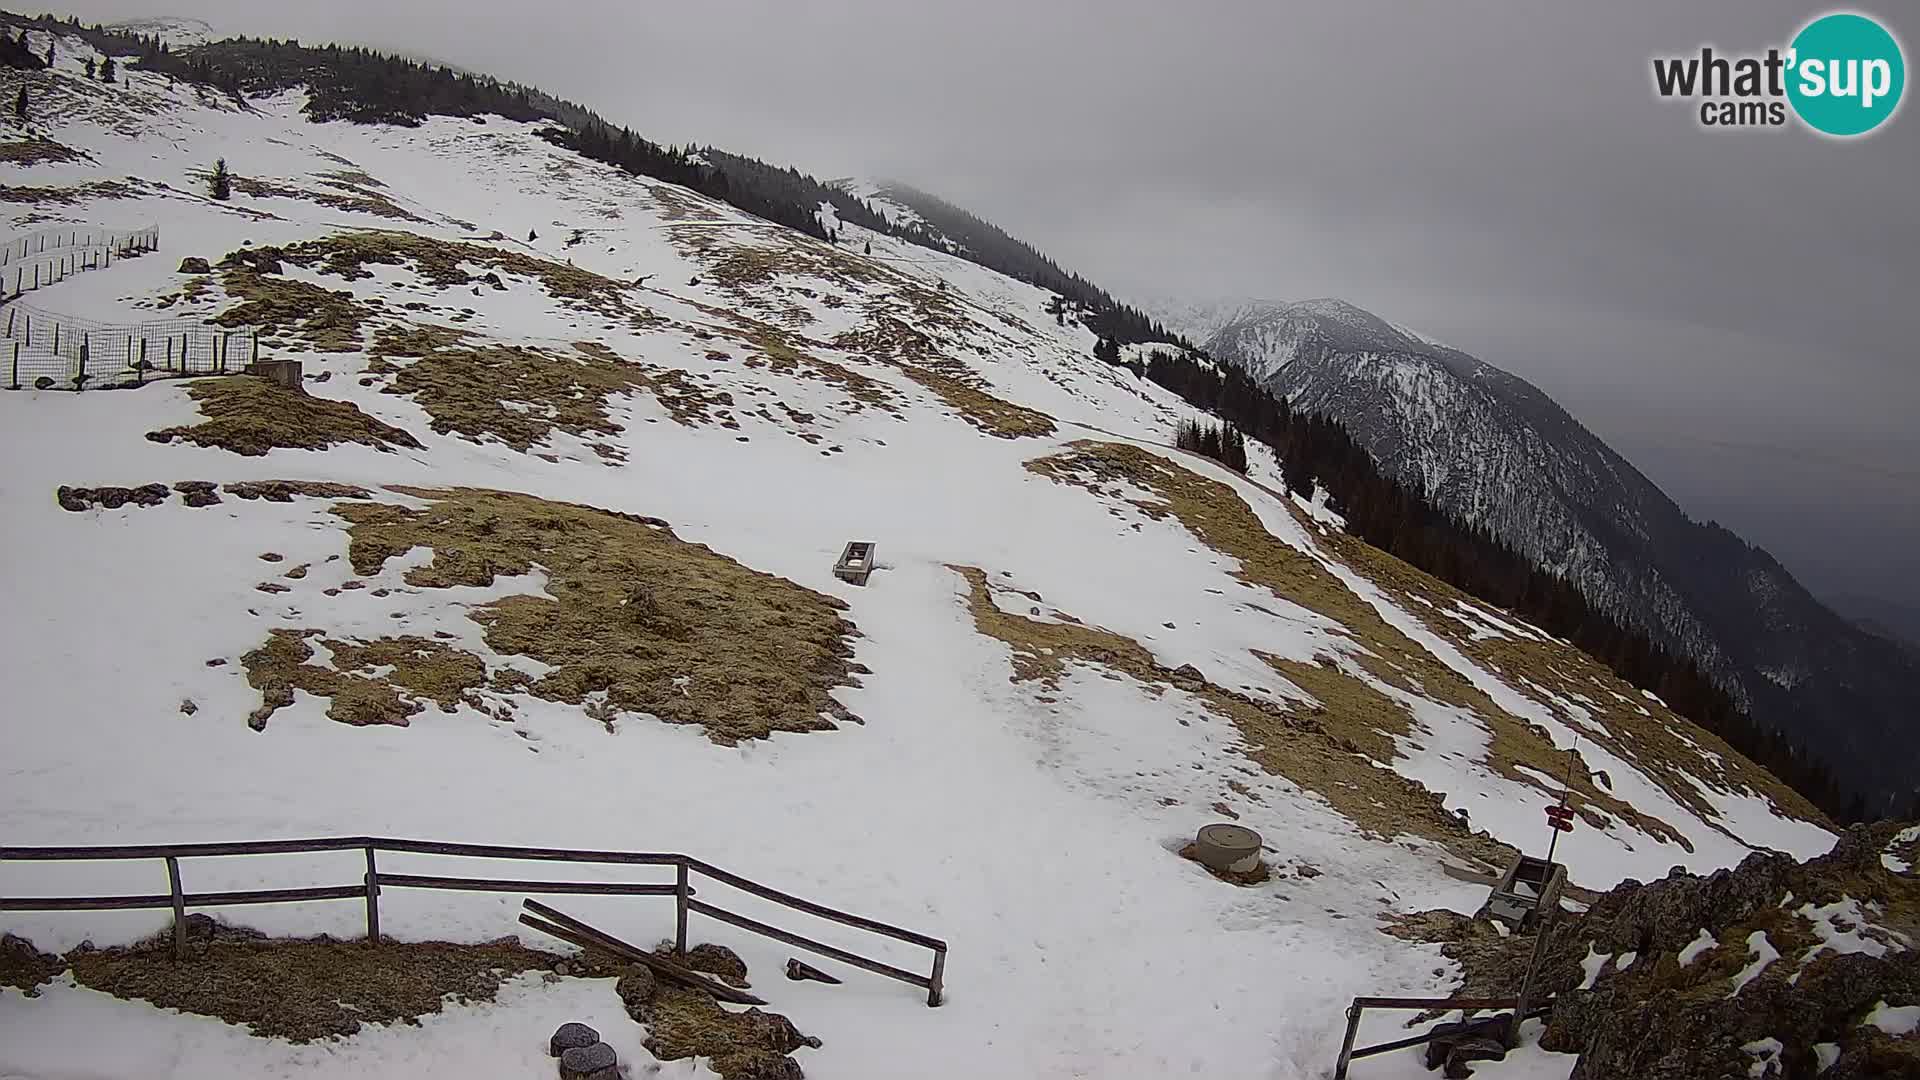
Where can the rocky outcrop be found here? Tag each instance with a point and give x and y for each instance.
(1696, 976)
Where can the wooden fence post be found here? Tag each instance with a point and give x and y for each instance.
(939, 978)
(16, 367)
(179, 909)
(680, 908)
(81, 382)
(373, 900)
(1346, 1047)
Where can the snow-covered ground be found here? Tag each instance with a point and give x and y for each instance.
(1032, 828)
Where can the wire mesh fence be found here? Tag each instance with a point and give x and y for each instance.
(44, 350)
(51, 255)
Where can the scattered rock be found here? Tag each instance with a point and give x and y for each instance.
(194, 265)
(218, 661)
(285, 490)
(636, 987)
(352, 584)
(188, 707)
(297, 572)
(1188, 677)
(493, 279)
(271, 556)
(571, 1036)
(197, 492)
(264, 260)
(596, 1062)
(271, 587)
(718, 960)
(110, 498)
(44, 382)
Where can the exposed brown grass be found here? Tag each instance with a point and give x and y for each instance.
(471, 390)
(1361, 714)
(425, 669)
(1661, 743)
(303, 989)
(1302, 748)
(748, 1045)
(895, 342)
(250, 415)
(656, 624)
(350, 197)
(66, 196)
(309, 316)
(444, 264)
(36, 150)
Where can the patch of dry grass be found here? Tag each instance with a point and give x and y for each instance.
(303, 989)
(444, 264)
(324, 320)
(894, 342)
(1360, 714)
(36, 150)
(251, 415)
(1304, 749)
(1661, 743)
(350, 197)
(643, 620)
(425, 669)
(286, 490)
(517, 394)
(748, 1045)
(67, 196)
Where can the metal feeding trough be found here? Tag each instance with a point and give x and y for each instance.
(856, 562)
(1230, 849)
(1529, 888)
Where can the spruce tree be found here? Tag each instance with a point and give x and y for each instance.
(91, 67)
(49, 52)
(866, 248)
(20, 106)
(107, 70)
(220, 186)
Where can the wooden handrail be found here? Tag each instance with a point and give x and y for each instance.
(375, 880)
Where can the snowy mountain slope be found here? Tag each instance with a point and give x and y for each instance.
(463, 640)
(1497, 452)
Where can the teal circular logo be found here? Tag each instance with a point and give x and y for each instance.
(1846, 75)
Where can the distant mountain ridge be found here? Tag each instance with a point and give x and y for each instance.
(1495, 451)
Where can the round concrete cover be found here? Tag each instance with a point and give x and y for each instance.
(1222, 845)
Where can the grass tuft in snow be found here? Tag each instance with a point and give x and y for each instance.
(36, 150)
(655, 624)
(421, 668)
(251, 416)
(303, 989)
(515, 393)
(352, 198)
(24, 967)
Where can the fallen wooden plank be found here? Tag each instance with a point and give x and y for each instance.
(606, 942)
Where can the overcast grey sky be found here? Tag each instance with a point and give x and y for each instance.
(1731, 310)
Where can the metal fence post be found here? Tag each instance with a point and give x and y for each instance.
(680, 908)
(938, 982)
(373, 900)
(179, 909)
(1346, 1047)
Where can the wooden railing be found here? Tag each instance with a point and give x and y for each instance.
(1504, 1025)
(371, 884)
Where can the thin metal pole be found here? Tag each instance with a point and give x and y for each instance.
(680, 906)
(179, 909)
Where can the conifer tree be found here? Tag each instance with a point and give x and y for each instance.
(91, 67)
(107, 70)
(20, 106)
(220, 185)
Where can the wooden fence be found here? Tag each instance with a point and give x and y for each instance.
(371, 884)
